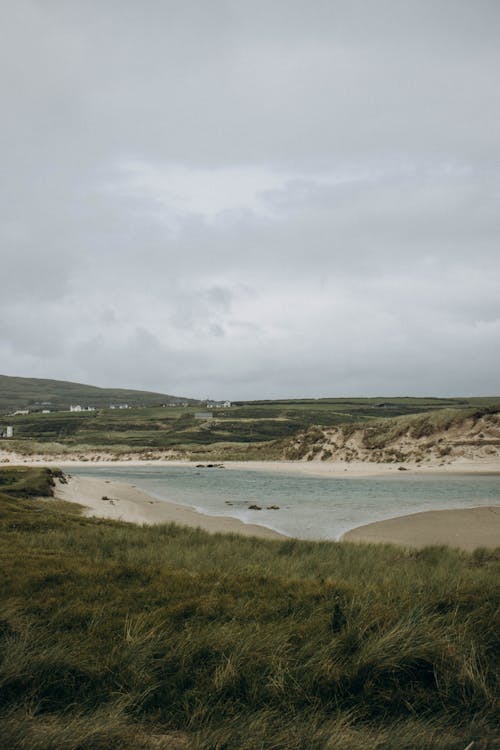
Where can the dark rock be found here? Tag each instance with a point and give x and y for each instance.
(254, 507)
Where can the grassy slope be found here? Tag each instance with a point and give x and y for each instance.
(116, 636)
(20, 393)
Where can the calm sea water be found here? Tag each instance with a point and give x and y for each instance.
(309, 507)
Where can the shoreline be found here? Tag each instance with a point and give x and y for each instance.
(105, 498)
(332, 469)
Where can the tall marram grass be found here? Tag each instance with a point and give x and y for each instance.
(117, 636)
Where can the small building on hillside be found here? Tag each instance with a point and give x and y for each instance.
(7, 432)
(20, 412)
(218, 404)
(77, 407)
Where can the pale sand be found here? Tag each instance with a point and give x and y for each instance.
(466, 528)
(306, 468)
(365, 468)
(127, 503)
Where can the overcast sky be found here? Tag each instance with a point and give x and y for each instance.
(251, 199)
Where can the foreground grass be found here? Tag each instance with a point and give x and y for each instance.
(116, 636)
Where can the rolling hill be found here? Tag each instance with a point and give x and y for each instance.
(37, 394)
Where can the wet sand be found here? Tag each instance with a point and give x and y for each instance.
(123, 502)
(465, 528)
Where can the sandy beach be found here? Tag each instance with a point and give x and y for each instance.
(123, 502)
(306, 468)
(465, 528)
(366, 468)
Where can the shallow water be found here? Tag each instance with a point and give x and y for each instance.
(309, 507)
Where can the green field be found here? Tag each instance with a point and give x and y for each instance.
(246, 430)
(114, 636)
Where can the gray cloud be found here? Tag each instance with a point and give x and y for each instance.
(252, 199)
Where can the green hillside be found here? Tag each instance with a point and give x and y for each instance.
(36, 394)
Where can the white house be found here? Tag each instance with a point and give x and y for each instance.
(75, 407)
(218, 404)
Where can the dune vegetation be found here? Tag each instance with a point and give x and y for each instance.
(119, 636)
(440, 435)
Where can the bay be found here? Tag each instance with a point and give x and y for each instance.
(309, 507)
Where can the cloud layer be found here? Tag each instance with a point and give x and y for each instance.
(252, 200)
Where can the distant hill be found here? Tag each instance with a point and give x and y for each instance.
(36, 394)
